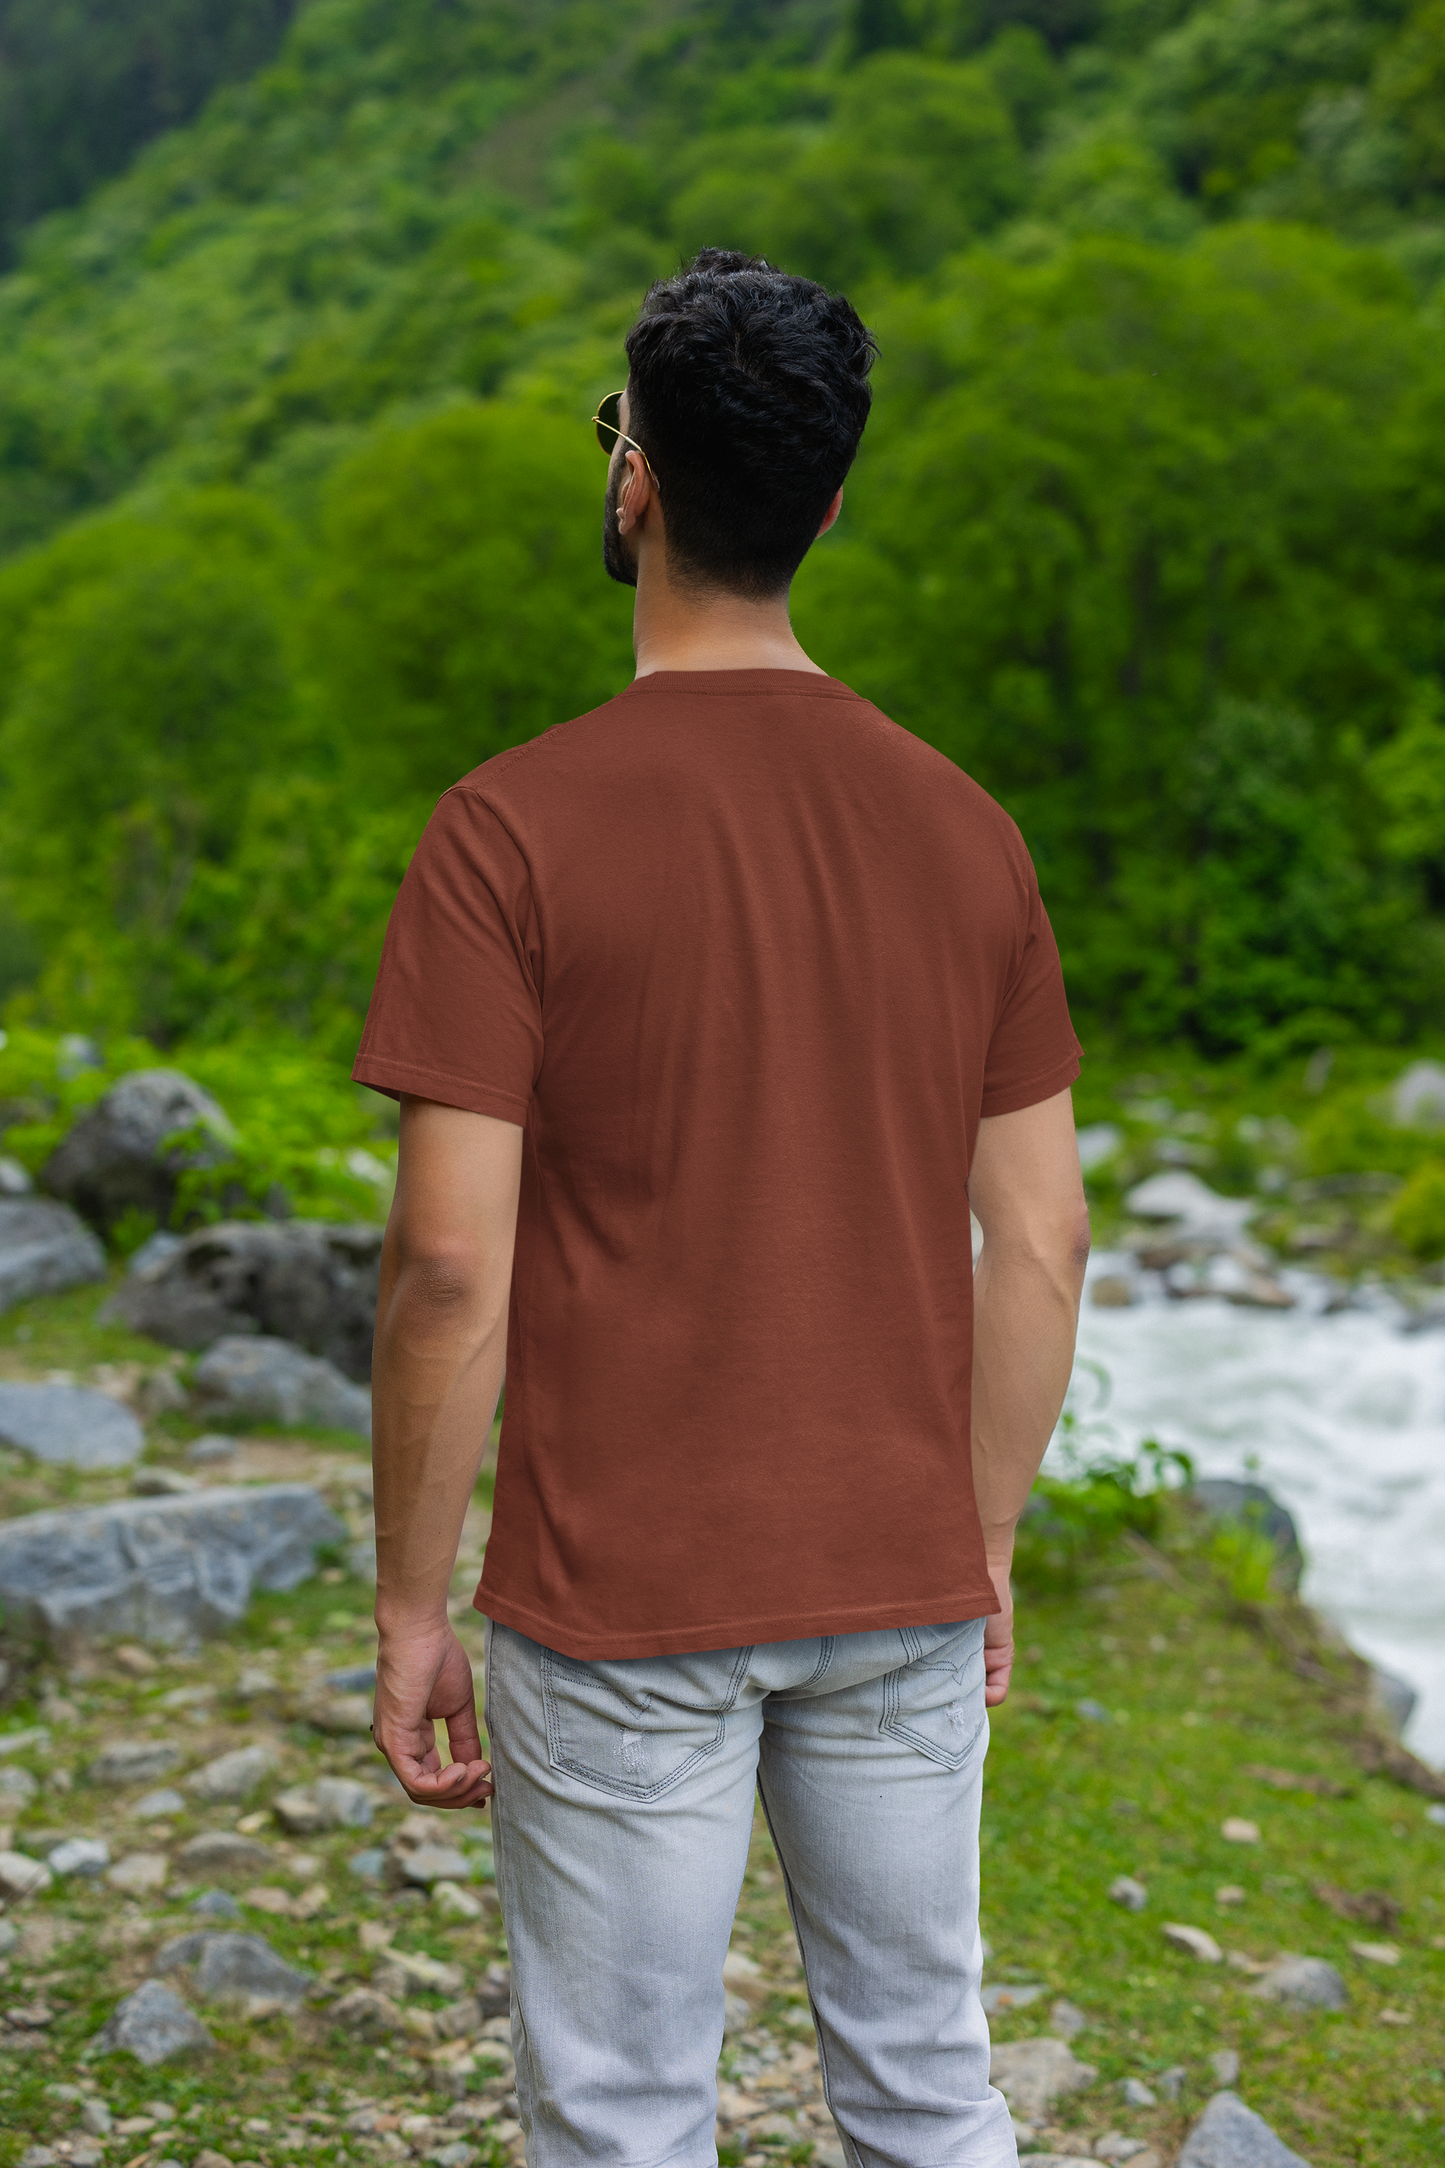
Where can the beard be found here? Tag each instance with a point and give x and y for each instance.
(618, 564)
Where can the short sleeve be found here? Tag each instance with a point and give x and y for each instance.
(456, 1013)
(1033, 1053)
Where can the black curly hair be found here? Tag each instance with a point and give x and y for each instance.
(749, 390)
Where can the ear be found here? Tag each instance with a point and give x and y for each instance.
(832, 512)
(636, 493)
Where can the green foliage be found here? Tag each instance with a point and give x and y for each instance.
(1245, 1558)
(1071, 1521)
(1418, 1219)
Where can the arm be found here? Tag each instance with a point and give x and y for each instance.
(441, 1346)
(1028, 1196)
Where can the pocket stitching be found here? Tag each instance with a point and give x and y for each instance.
(585, 1775)
(896, 1727)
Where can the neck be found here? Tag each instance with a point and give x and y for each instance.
(711, 629)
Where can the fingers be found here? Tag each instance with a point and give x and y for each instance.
(460, 1784)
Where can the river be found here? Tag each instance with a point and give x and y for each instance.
(1342, 1416)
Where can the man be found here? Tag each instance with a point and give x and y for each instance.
(708, 1013)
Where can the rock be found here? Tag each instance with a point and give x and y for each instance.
(1417, 1099)
(155, 1251)
(1377, 1953)
(1127, 1892)
(231, 1967)
(154, 2025)
(370, 1865)
(1302, 1983)
(1195, 1940)
(451, 1902)
(20, 1742)
(216, 1904)
(1203, 1215)
(1116, 2147)
(116, 1159)
(9, 1936)
(163, 1570)
(233, 1776)
(1139, 2095)
(1032, 2074)
(1097, 1142)
(1113, 1291)
(44, 1249)
(1374, 1907)
(1093, 1712)
(162, 1483)
(1224, 2062)
(329, 1803)
(79, 1855)
(1224, 1500)
(435, 1863)
(21, 1876)
(139, 1873)
(406, 1972)
(212, 1447)
(355, 1679)
(133, 1761)
(344, 1715)
(299, 1280)
(69, 1427)
(14, 1181)
(1392, 1699)
(156, 1805)
(96, 2118)
(17, 1788)
(363, 2014)
(223, 1851)
(1229, 2135)
(259, 1379)
(1236, 1830)
(1260, 1291)
(1018, 1997)
(1171, 2082)
(1067, 2019)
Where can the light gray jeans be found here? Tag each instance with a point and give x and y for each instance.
(621, 1823)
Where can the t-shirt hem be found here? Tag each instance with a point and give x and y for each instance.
(1013, 1098)
(976, 1600)
(397, 1077)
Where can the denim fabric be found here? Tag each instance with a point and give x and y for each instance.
(621, 1823)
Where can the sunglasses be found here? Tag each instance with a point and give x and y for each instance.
(608, 422)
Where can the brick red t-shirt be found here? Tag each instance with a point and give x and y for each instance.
(746, 962)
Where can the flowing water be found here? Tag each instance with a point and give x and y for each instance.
(1341, 1416)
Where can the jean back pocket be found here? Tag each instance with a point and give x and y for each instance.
(637, 1726)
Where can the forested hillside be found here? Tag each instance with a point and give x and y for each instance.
(300, 504)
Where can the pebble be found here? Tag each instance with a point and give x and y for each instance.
(453, 1902)
(96, 2118)
(212, 1447)
(79, 1855)
(1302, 1983)
(1139, 2095)
(154, 2025)
(139, 1873)
(21, 1876)
(999, 1998)
(133, 1761)
(370, 1865)
(162, 1483)
(1127, 1892)
(1229, 1893)
(1171, 2082)
(1236, 1830)
(329, 1803)
(223, 1851)
(1115, 2146)
(155, 1806)
(1067, 2019)
(1229, 2135)
(233, 1775)
(1093, 1712)
(1224, 2062)
(1377, 1953)
(1032, 2074)
(216, 1904)
(1196, 1940)
(435, 1863)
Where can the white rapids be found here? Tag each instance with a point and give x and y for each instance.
(1341, 1416)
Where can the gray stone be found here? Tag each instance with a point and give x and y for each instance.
(14, 1181)
(1127, 1892)
(1392, 1699)
(79, 1855)
(44, 1249)
(1067, 2019)
(96, 2118)
(1093, 1712)
(154, 2025)
(1226, 1500)
(1229, 2135)
(155, 1806)
(9, 1936)
(162, 1483)
(21, 1876)
(234, 1776)
(216, 1904)
(1302, 1983)
(344, 1715)
(440, 1863)
(301, 1280)
(116, 1158)
(214, 1446)
(224, 1851)
(366, 2015)
(1139, 2095)
(161, 1570)
(355, 1679)
(258, 1379)
(1201, 1213)
(1097, 1142)
(69, 1427)
(132, 1761)
(329, 1803)
(1417, 1100)
(1032, 2074)
(999, 1998)
(1171, 2082)
(1224, 2062)
(370, 1865)
(18, 1787)
(155, 1251)
(227, 1967)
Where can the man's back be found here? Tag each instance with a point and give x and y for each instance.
(749, 962)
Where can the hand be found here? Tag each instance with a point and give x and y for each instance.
(422, 1675)
(998, 1636)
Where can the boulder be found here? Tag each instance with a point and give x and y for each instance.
(228, 1967)
(1302, 1983)
(299, 1280)
(116, 1159)
(1226, 1500)
(154, 2026)
(1229, 2135)
(164, 1569)
(44, 1249)
(265, 1380)
(69, 1427)
(1033, 2074)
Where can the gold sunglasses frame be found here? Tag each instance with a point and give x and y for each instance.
(599, 422)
